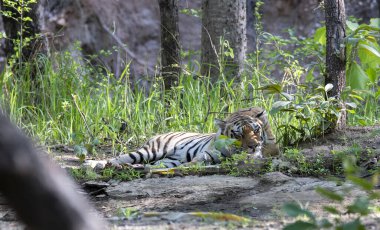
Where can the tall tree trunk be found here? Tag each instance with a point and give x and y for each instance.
(251, 21)
(223, 19)
(3, 57)
(336, 52)
(170, 44)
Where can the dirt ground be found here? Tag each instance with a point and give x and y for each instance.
(222, 201)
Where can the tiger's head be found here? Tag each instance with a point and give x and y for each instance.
(248, 130)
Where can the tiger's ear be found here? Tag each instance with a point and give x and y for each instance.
(220, 123)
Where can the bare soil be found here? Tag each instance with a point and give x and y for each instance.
(177, 202)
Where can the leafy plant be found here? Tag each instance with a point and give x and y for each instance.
(129, 213)
(361, 206)
(83, 173)
(363, 58)
(239, 164)
(124, 174)
(18, 12)
(310, 113)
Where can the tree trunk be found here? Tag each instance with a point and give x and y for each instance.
(41, 194)
(3, 57)
(224, 19)
(170, 44)
(336, 52)
(251, 21)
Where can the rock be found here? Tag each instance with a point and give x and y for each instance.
(274, 178)
(95, 184)
(189, 187)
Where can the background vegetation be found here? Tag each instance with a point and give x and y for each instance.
(79, 103)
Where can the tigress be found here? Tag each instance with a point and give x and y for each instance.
(249, 126)
(270, 147)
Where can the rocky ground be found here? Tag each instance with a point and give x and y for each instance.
(223, 201)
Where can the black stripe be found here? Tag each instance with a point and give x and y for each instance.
(167, 143)
(158, 147)
(207, 141)
(221, 153)
(154, 151)
(195, 151)
(188, 156)
(212, 158)
(196, 137)
(176, 143)
(237, 122)
(171, 158)
(141, 156)
(147, 152)
(196, 145)
(173, 164)
(131, 155)
(260, 114)
(159, 141)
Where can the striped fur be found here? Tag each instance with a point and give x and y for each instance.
(250, 126)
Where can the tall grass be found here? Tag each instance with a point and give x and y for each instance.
(70, 102)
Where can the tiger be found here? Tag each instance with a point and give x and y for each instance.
(249, 126)
(270, 147)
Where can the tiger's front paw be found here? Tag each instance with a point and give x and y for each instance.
(255, 154)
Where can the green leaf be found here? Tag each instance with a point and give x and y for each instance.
(351, 104)
(320, 35)
(372, 50)
(349, 165)
(294, 210)
(352, 25)
(363, 183)
(331, 210)
(225, 142)
(272, 89)
(329, 194)
(352, 41)
(371, 73)
(223, 137)
(356, 77)
(90, 148)
(353, 225)
(324, 223)
(360, 206)
(96, 142)
(300, 225)
(287, 96)
(280, 104)
(310, 77)
(357, 97)
(375, 22)
(79, 149)
(369, 53)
